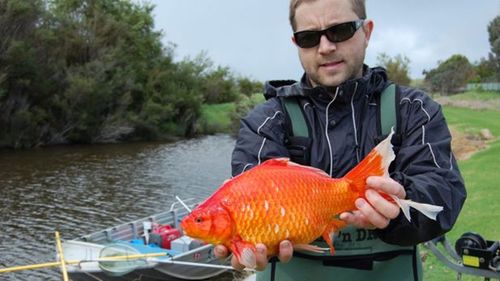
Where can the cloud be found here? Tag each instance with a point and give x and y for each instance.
(402, 41)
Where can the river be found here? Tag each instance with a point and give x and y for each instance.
(81, 189)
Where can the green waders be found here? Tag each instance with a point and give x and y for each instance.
(359, 255)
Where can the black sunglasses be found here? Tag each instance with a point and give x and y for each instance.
(336, 33)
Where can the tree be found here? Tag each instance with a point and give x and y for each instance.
(86, 71)
(494, 38)
(92, 71)
(450, 75)
(249, 87)
(485, 70)
(397, 68)
(488, 69)
(219, 86)
(24, 74)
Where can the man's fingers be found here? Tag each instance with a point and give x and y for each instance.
(357, 219)
(376, 211)
(261, 256)
(220, 252)
(286, 251)
(373, 217)
(347, 217)
(352, 218)
(236, 264)
(386, 185)
(381, 205)
(261, 260)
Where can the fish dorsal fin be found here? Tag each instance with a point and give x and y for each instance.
(277, 162)
(285, 162)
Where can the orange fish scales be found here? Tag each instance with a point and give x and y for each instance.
(300, 212)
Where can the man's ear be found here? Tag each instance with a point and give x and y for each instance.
(367, 29)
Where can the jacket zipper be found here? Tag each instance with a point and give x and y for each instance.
(326, 131)
(354, 123)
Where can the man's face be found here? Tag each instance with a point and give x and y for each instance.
(330, 64)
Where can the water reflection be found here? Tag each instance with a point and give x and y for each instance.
(81, 189)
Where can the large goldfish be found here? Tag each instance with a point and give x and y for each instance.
(281, 200)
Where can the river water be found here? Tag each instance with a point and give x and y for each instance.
(78, 190)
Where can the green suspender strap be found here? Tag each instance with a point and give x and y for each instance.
(298, 140)
(388, 109)
(299, 126)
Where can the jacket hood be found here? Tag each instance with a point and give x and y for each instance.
(373, 79)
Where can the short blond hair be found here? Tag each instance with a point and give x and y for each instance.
(358, 6)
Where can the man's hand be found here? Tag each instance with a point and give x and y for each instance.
(376, 211)
(285, 254)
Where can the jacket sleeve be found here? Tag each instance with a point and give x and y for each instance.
(426, 167)
(261, 137)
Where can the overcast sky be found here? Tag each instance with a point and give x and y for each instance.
(252, 37)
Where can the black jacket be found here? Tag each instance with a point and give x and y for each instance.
(424, 163)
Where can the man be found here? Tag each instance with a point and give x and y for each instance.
(340, 102)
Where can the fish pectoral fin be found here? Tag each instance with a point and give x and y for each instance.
(331, 228)
(335, 224)
(328, 237)
(309, 248)
(245, 253)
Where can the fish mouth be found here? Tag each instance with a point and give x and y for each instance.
(183, 224)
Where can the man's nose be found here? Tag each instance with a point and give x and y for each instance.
(325, 45)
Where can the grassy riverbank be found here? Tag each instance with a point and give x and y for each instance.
(480, 212)
(480, 172)
(216, 118)
(224, 118)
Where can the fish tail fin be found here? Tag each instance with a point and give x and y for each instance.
(376, 163)
(428, 210)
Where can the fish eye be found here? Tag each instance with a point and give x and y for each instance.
(198, 220)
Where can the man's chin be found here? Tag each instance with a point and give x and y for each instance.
(331, 81)
(330, 78)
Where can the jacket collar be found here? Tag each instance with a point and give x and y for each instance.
(373, 81)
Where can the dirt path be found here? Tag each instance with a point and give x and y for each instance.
(465, 145)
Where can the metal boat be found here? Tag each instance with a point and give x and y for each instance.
(185, 259)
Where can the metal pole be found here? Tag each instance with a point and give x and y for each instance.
(169, 261)
(183, 204)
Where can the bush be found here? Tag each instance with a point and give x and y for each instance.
(243, 106)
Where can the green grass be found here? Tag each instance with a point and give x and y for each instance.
(476, 95)
(220, 118)
(481, 174)
(471, 121)
(216, 118)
